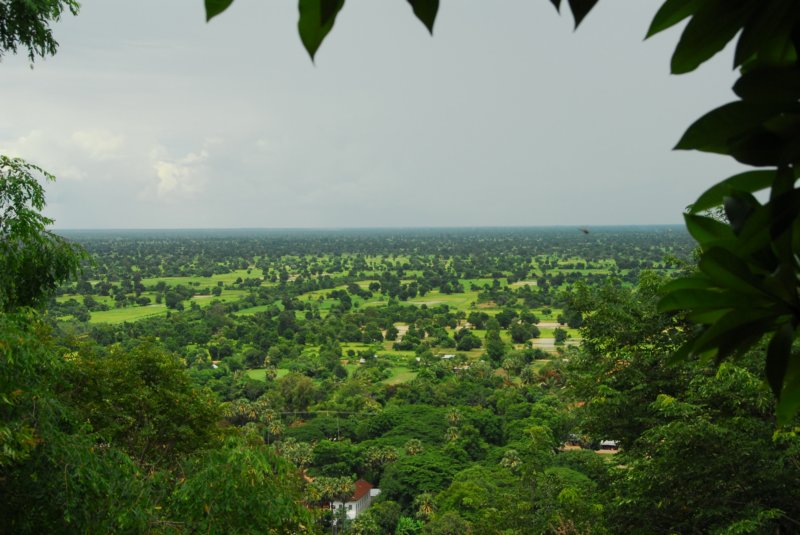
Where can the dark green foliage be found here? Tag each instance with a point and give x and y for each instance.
(580, 8)
(72, 485)
(425, 10)
(429, 471)
(215, 7)
(26, 24)
(316, 20)
(54, 476)
(27, 370)
(33, 260)
(339, 453)
(385, 515)
(560, 335)
(480, 494)
(422, 422)
(746, 287)
(699, 447)
(466, 340)
(323, 426)
(142, 401)
(241, 489)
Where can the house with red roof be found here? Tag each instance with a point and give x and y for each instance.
(359, 501)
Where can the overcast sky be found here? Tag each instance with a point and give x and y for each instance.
(151, 118)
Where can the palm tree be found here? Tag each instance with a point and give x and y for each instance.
(413, 447)
(453, 417)
(511, 460)
(274, 429)
(451, 435)
(425, 506)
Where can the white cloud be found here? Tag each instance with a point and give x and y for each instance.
(49, 150)
(182, 178)
(98, 144)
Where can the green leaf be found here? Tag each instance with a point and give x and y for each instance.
(771, 23)
(215, 7)
(729, 271)
(714, 131)
(681, 354)
(734, 332)
(671, 13)
(750, 181)
(316, 20)
(714, 24)
(706, 317)
(754, 237)
(769, 84)
(739, 207)
(702, 300)
(778, 351)
(789, 401)
(706, 229)
(774, 143)
(785, 210)
(782, 283)
(425, 10)
(581, 8)
(687, 283)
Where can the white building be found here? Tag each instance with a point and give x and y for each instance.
(359, 501)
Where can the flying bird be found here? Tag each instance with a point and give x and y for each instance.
(584, 230)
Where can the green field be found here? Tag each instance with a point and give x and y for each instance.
(400, 374)
(225, 278)
(462, 301)
(259, 373)
(121, 315)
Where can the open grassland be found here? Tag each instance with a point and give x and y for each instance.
(227, 296)
(400, 375)
(259, 374)
(461, 301)
(121, 315)
(224, 278)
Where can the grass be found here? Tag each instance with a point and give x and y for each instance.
(400, 374)
(225, 278)
(460, 301)
(227, 296)
(121, 315)
(259, 374)
(134, 313)
(547, 332)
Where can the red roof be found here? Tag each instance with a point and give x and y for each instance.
(362, 488)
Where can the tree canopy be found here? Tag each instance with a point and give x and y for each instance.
(33, 260)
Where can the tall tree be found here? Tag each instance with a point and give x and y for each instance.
(33, 260)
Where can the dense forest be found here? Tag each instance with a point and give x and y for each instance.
(485, 380)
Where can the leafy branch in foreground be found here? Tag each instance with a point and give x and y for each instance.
(317, 16)
(748, 277)
(26, 24)
(33, 260)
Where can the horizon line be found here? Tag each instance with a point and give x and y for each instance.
(333, 228)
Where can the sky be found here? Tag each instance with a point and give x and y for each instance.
(152, 118)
